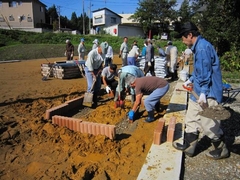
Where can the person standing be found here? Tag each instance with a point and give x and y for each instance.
(109, 56)
(93, 69)
(81, 49)
(157, 87)
(144, 49)
(133, 55)
(104, 47)
(149, 60)
(187, 55)
(207, 84)
(69, 50)
(172, 55)
(95, 44)
(108, 78)
(161, 52)
(124, 51)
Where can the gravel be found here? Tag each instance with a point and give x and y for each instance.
(200, 167)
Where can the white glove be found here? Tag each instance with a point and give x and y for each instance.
(71, 55)
(108, 89)
(202, 98)
(187, 83)
(149, 64)
(65, 54)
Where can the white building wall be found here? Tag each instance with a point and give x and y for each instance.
(123, 31)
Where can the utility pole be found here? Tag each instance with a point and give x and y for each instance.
(90, 5)
(83, 20)
(59, 23)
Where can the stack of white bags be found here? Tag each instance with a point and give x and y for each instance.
(160, 67)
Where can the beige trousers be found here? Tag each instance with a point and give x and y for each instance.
(195, 122)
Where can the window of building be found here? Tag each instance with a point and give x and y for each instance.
(12, 4)
(41, 9)
(113, 20)
(11, 18)
(2, 19)
(98, 19)
(0, 3)
(19, 3)
(29, 19)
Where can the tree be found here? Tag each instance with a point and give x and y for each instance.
(151, 11)
(185, 11)
(73, 21)
(219, 22)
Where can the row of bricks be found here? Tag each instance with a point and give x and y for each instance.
(158, 132)
(64, 108)
(85, 127)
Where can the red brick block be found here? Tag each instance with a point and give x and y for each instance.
(158, 132)
(112, 132)
(171, 129)
(74, 103)
(58, 110)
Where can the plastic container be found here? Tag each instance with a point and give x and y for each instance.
(183, 75)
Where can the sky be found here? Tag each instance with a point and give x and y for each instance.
(117, 6)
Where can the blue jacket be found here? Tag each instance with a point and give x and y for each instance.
(144, 51)
(207, 76)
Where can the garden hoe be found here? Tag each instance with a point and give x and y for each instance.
(214, 112)
(44, 78)
(80, 68)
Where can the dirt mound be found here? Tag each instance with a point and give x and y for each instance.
(33, 148)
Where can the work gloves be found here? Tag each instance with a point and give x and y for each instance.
(131, 115)
(71, 55)
(108, 89)
(202, 98)
(187, 83)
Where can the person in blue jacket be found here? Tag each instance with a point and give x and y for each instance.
(207, 84)
(122, 86)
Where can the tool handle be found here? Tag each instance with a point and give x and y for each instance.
(93, 85)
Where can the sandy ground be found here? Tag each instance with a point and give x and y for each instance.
(33, 148)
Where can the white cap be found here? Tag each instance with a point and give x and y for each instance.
(129, 79)
(95, 41)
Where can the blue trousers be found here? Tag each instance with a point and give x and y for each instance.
(154, 98)
(89, 77)
(131, 61)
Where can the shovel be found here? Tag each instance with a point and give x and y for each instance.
(119, 102)
(214, 112)
(88, 97)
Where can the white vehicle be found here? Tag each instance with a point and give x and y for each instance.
(164, 36)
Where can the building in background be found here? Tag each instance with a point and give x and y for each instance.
(27, 15)
(115, 24)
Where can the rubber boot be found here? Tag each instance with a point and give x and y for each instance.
(150, 117)
(189, 144)
(157, 107)
(220, 150)
(95, 101)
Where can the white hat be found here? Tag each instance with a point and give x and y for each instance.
(67, 41)
(129, 79)
(95, 41)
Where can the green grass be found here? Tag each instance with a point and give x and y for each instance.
(231, 76)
